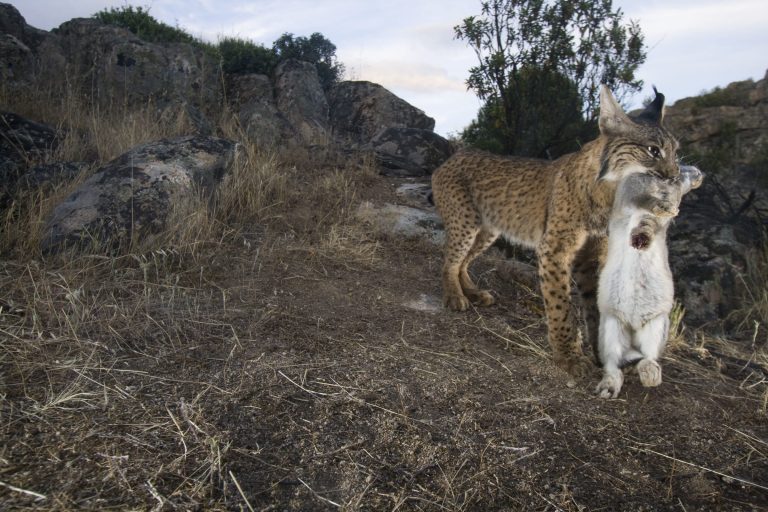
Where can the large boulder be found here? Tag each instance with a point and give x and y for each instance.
(301, 99)
(117, 67)
(23, 143)
(135, 194)
(359, 110)
(410, 151)
(722, 223)
(253, 98)
(27, 54)
(13, 24)
(738, 112)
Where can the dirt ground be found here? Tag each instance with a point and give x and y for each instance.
(303, 368)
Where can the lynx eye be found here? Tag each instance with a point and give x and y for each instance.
(654, 151)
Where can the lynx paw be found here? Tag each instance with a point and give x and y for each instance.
(649, 372)
(578, 366)
(482, 298)
(610, 386)
(456, 302)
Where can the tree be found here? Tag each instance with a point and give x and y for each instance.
(316, 49)
(535, 57)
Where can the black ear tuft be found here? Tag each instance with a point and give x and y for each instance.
(654, 112)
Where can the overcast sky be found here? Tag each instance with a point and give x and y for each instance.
(408, 46)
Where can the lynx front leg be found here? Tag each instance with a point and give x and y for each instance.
(651, 339)
(585, 273)
(613, 344)
(556, 254)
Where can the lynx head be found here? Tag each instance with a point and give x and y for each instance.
(636, 144)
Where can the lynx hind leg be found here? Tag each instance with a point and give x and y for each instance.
(483, 240)
(462, 227)
(614, 342)
(650, 340)
(457, 247)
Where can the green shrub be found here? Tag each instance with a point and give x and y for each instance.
(719, 97)
(140, 22)
(241, 56)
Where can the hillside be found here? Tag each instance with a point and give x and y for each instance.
(233, 303)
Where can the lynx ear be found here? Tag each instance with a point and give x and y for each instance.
(612, 120)
(654, 112)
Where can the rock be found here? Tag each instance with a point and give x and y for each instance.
(267, 126)
(243, 90)
(114, 66)
(403, 221)
(301, 99)
(22, 143)
(47, 177)
(738, 112)
(253, 97)
(708, 251)
(410, 151)
(16, 59)
(13, 23)
(359, 110)
(181, 111)
(135, 194)
(725, 132)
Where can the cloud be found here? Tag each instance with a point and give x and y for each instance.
(410, 76)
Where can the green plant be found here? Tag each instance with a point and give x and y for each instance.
(140, 22)
(531, 42)
(316, 49)
(548, 121)
(241, 56)
(719, 97)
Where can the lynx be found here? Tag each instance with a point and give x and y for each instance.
(560, 208)
(635, 291)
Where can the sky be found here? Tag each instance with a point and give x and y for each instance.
(408, 46)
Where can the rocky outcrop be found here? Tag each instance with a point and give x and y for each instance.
(410, 151)
(360, 110)
(399, 134)
(301, 99)
(23, 143)
(725, 132)
(738, 112)
(252, 97)
(135, 194)
(18, 43)
(116, 66)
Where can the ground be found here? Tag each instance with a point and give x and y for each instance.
(306, 364)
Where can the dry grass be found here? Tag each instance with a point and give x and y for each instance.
(257, 355)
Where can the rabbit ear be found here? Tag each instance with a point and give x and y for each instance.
(654, 112)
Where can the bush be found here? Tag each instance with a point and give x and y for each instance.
(140, 22)
(242, 56)
(719, 97)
